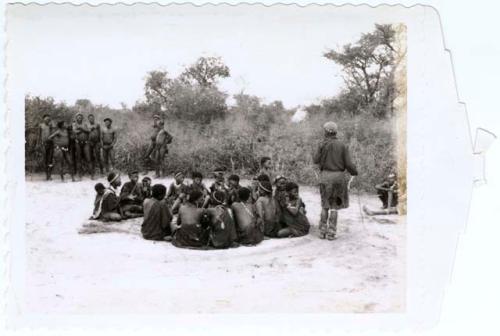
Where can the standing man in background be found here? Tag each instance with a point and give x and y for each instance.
(108, 141)
(44, 139)
(94, 144)
(163, 139)
(333, 159)
(153, 134)
(81, 145)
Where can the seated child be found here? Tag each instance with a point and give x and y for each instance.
(110, 204)
(131, 197)
(388, 191)
(200, 186)
(99, 189)
(177, 192)
(267, 209)
(280, 193)
(293, 216)
(191, 229)
(157, 215)
(248, 224)
(146, 187)
(222, 230)
(233, 182)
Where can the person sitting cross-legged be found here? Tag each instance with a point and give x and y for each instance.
(191, 229)
(293, 216)
(131, 197)
(110, 207)
(267, 208)
(157, 215)
(222, 230)
(248, 224)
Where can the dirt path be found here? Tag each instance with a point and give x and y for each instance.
(362, 271)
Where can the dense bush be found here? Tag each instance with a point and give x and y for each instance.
(208, 133)
(251, 130)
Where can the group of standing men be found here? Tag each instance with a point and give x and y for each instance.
(77, 148)
(83, 146)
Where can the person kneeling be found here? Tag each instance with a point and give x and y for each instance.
(191, 228)
(248, 224)
(222, 230)
(294, 215)
(387, 191)
(157, 215)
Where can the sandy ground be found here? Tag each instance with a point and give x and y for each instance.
(362, 271)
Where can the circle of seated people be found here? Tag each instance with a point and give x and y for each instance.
(193, 216)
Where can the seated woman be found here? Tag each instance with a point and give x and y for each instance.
(157, 215)
(191, 229)
(248, 224)
(110, 204)
(131, 197)
(268, 210)
(222, 230)
(293, 216)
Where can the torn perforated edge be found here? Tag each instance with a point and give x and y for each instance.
(5, 143)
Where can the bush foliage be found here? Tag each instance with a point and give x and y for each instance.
(209, 133)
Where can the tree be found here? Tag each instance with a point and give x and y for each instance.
(157, 89)
(183, 100)
(205, 71)
(368, 67)
(83, 105)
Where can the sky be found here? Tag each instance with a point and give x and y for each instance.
(104, 53)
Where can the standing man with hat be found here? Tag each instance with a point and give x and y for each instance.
(333, 159)
(163, 139)
(82, 148)
(153, 134)
(108, 141)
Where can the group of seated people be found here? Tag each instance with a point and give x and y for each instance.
(193, 216)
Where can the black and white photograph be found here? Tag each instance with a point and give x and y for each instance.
(212, 159)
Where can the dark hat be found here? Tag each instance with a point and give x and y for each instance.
(78, 114)
(112, 176)
(178, 173)
(196, 174)
(219, 169)
(133, 171)
(156, 116)
(108, 119)
(146, 178)
(279, 177)
(291, 186)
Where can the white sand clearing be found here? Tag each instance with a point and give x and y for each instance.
(362, 271)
